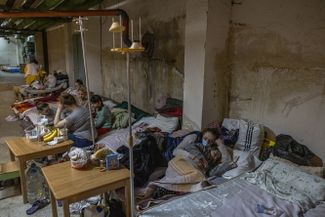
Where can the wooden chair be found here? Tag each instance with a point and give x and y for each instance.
(9, 170)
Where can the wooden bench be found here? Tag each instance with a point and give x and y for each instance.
(9, 170)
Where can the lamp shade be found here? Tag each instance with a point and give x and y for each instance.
(137, 45)
(116, 27)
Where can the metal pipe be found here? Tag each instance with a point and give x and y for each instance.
(76, 13)
(130, 136)
(81, 29)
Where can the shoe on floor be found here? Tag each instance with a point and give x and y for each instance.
(38, 204)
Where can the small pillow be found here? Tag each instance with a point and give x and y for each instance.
(250, 138)
(166, 124)
(110, 104)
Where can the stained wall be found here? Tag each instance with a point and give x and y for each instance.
(277, 54)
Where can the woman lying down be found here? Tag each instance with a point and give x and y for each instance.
(188, 171)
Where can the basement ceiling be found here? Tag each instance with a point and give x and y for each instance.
(29, 25)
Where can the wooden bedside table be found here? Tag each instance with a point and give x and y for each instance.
(71, 185)
(24, 150)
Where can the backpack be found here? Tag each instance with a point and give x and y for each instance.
(288, 148)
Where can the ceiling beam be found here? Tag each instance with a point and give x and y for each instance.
(9, 5)
(27, 4)
(75, 13)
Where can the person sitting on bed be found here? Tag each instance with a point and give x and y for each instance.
(50, 81)
(77, 86)
(77, 122)
(44, 109)
(82, 97)
(103, 118)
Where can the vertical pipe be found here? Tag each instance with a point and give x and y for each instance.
(132, 30)
(130, 136)
(81, 29)
(140, 29)
(121, 33)
(17, 51)
(113, 34)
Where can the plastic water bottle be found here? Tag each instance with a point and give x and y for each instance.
(35, 184)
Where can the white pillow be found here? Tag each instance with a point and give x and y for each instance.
(250, 138)
(247, 162)
(110, 104)
(165, 124)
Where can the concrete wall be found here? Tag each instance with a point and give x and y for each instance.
(93, 47)
(56, 48)
(10, 53)
(278, 68)
(162, 74)
(206, 81)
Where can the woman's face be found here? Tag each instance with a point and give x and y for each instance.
(96, 105)
(209, 137)
(77, 85)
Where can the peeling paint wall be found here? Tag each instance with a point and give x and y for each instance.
(162, 74)
(277, 51)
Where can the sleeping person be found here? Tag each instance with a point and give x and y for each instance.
(193, 164)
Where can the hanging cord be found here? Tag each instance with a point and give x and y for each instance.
(82, 29)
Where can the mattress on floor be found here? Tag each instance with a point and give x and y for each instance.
(236, 197)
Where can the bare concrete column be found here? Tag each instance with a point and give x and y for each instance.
(39, 47)
(206, 80)
(69, 52)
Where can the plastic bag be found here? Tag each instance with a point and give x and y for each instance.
(78, 157)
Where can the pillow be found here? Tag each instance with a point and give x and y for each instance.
(110, 104)
(250, 137)
(165, 124)
(247, 162)
(230, 124)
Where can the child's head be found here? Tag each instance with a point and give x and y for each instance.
(78, 84)
(96, 101)
(43, 108)
(210, 135)
(82, 93)
(215, 152)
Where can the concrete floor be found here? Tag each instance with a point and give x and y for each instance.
(13, 206)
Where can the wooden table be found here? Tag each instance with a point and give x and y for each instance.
(24, 150)
(71, 185)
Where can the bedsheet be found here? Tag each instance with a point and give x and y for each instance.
(236, 197)
(117, 138)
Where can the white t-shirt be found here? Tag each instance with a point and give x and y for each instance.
(31, 69)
